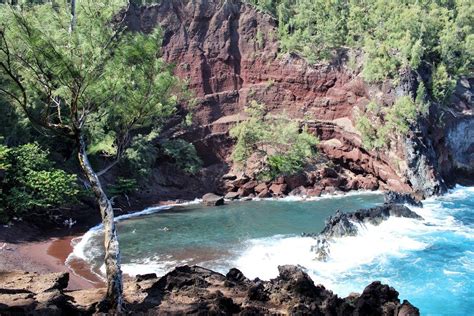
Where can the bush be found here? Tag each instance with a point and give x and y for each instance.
(184, 155)
(442, 85)
(286, 148)
(392, 34)
(401, 114)
(123, 186)
(30, 183)
(394, 120)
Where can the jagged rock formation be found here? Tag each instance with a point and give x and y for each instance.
(400, 198)
(228, 52)
(346, 224)
(198, 291)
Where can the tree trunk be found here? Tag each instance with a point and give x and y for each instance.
(72, 26)
(114, 297)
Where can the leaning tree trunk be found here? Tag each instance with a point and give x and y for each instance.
(112, 252)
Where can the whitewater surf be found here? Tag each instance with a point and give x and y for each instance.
(429, 261)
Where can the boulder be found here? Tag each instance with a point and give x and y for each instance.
(377, 299)
(260, 187)
(296, 180)
(211, 199)
(299, 191)
(339, 225)
(329, 173)
(264, 194)
(193, 290)
(279, 180)
(30, 293)
(248, 188)
(229, 176)
(232, 195)
(342, 224)
(406, 309)
(278, 189)
(331, 182)
(315, 191)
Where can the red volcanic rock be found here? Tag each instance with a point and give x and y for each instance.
(299, 191)
(232, 195)
(316, 191)
(264, 193)
(261, 187)
(278, 189)
(296, 180)
(329, 173)
(250, 185)
(247, 188)
(330, 182)
(279, 180)
(211, 199)
(212, 43)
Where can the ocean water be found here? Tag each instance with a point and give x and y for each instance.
(430, 262)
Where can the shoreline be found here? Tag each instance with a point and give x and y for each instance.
(50, 254)
(46, 257)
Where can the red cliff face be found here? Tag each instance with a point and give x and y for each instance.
(228, 52)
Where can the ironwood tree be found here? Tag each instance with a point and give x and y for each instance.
(70, 66)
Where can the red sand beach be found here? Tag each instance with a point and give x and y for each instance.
(48, 256)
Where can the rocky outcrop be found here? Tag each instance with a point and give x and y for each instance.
(401, 198)
(454, 136)
(346, 224)
(25, 293)
(228, 52)
(341, 224)
(197, 291)
(211, 199)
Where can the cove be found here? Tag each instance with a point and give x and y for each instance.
(429, 261)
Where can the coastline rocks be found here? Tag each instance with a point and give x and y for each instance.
(401, 198)
(211, 199)
(339, 225)
(25, 293)
(346, 224)
(232, 195)
(198, 291)
(342, 224)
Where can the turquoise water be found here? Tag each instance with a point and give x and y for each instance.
(430, 262)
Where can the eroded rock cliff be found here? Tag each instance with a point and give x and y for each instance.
(228, 52)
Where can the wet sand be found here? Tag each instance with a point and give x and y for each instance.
(48, 256)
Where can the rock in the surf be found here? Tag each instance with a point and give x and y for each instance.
(401, 198)
(211, 199)
(342, 224)
(345, 224)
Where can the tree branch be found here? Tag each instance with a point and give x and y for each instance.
(106, 169)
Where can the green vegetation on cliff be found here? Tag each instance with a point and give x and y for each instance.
(281, 145)
(433, 35)
(377, 123)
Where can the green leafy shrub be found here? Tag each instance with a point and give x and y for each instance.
(393, 120)
(392, 34)
(123, 186)
(183, 154)
(249, 132)
(370, 137)
(443, 84)
(401, 114)
(285, 146)
(30, 183)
